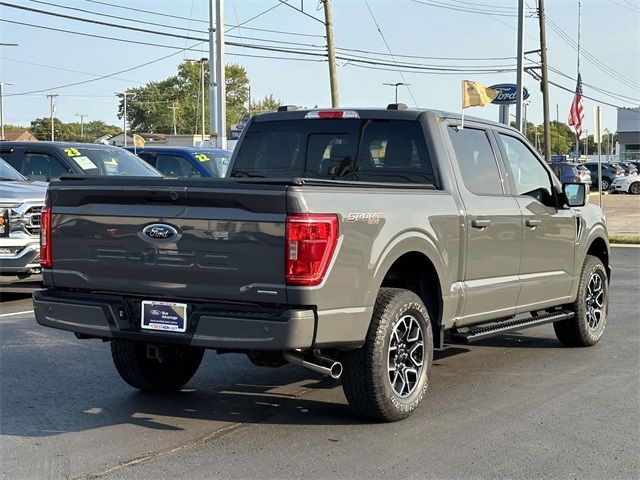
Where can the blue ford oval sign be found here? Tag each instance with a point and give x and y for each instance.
(508, 93)
(160, 232)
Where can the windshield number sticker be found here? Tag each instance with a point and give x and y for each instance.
(72, 152)
(84, 163)
(202, 157)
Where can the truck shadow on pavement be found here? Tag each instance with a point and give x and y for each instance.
(226, 390)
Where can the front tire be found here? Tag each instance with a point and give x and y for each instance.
(140, 371)
(387, 377)
(605, 184)
(634, 188)
(590, 308)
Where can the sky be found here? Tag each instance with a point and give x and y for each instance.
(46, 59)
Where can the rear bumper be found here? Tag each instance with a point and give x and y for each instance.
(209, 326)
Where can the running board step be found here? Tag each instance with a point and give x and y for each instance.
(474, 334)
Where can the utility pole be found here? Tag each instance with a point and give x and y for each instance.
(202, 60)
(331, 52)
(81, 115)
(545, 82)
(220, 77)
(2, 84)
(174, 107)
(52, 104)
(124, 117)
(558, 128)
(213, 98)
(520, 67)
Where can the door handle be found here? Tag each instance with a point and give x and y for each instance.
(532, 222)
(480, 223)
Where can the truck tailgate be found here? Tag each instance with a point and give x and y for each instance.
(170, 238)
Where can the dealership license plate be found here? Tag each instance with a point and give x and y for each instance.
(165, 316)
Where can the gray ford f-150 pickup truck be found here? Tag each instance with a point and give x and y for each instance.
(347, 241)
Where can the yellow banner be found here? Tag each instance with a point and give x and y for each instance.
(475, 94)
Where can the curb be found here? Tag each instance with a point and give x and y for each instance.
(624, 245)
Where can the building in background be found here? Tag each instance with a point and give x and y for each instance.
(19, 136)
(628, 147)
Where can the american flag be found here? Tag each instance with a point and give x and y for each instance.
(576, 114)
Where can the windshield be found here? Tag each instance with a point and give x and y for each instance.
(109, 161)
(7, 172)
(357, 150)
(215, 161)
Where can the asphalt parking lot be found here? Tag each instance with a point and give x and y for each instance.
(516, 406)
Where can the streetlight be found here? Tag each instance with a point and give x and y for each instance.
(81, 115)
(202, 62)
(609, 153)
(396, 85)
(2, 84)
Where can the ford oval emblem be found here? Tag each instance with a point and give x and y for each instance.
(508, 93)
(160, 232)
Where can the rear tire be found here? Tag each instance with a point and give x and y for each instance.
(387, 377)
(151, 375)
(590, 308)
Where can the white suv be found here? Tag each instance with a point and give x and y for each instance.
(20, 205)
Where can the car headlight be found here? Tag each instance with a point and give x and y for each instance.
(8, 218)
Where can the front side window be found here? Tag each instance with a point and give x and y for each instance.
(477, 162)
(530, 177)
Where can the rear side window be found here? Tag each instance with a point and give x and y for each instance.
(42, 166)
(353, 149)
(477, 162)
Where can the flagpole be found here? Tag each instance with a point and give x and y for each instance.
(578, 76)
(462, 103)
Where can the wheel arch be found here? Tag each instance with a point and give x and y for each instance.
(415, 264)
(599, 247)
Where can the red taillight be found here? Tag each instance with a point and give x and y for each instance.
(311, 241)
(45, 238)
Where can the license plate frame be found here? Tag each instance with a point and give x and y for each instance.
(163, 316)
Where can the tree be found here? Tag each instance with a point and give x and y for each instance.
(149, 106)
(268, 104)
(70, 132)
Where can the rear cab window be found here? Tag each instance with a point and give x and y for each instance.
(368, 150)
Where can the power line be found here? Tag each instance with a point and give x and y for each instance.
(447, 6)
(313, 47)
(591, 58)
(144, 30)
(389, 49)
(566, 89)
(284, 2)
(110, 75)
(618, 96)
(631, 6)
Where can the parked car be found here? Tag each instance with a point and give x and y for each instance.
(629, 168)
(584, 174)
(20, 204)
(566, 172)
(47, 161)
(635, 164)
(626, 184)
(186, 161)
(344, 241)
(609, 172)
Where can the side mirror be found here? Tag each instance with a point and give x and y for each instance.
(575, 194)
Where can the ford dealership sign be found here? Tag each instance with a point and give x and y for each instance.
(508, 93)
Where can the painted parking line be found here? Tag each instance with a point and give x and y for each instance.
(15, 313)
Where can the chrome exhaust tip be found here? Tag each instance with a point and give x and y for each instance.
(323, 365)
